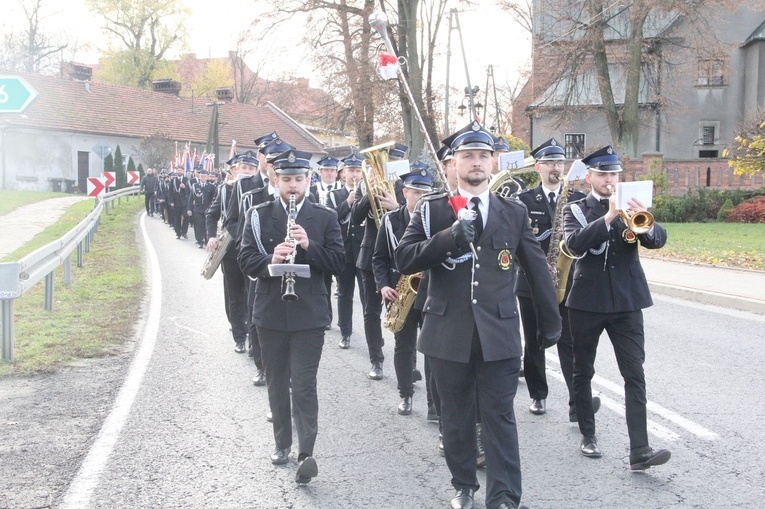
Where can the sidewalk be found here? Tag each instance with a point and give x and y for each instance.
(20, 226)
(739, 289)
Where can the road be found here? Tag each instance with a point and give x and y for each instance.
(190, 428)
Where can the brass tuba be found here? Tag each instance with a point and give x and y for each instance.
(397, 311)
(373, 172)
(503, 182)
(215, 256)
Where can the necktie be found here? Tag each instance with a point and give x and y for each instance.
(604, 202)
(552, 199)
(478, 223)
(265, 181)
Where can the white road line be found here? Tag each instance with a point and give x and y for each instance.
(80, 491)
(687, 424)
(174, 319)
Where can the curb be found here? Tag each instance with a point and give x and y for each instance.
(713, 298)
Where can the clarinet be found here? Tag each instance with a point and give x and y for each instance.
(289, 278)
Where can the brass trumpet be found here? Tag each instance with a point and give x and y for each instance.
(637, 222)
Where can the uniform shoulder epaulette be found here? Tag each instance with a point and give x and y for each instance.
(525, 191)
(434, 195)
(577, 201)
(320, 206)
(264, 204)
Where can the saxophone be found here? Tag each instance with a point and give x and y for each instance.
(289, 278)
(397, 311)
(559, 258)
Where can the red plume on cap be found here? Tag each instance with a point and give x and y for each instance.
(458, 202)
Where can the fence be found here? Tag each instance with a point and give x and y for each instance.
(18, 277)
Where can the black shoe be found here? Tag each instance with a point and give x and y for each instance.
(307, 470)
(201, 246)
(645, 457)
(280, 456)
(589, 447)
(345, 343)
(184, 236)
(511, 506)
(538, 407)
(441, 445)
(376, 372)
(405, 407)
(240, 347)
(269, 416)
(178, 237)
(432, 414)
(481, 459)
(416, 375)
(259, 379)
(463, 499)
(595, 408)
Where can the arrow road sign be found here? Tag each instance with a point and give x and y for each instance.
(15, 94)
(96, 186)
(132, 177)
(109, 177)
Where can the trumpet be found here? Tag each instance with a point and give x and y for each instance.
(637, 222)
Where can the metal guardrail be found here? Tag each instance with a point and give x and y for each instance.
(18, 277)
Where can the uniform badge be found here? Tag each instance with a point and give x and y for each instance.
(553, 142)
(538, 198)
(504, 259)
(291, 158)
(629, 236)
(476, 126)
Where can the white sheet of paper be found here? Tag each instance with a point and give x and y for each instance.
(640, 189)
(511, 160)
(394, 169)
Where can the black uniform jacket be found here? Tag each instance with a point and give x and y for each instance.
(337, 199)
(609, 279)
(541, 217)
(459, 299)
(325, 254)
(196, 201)
(179, 196)
(383, 264)
(233, 212)
(218, 208)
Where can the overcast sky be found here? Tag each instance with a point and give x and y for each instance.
(490, 36)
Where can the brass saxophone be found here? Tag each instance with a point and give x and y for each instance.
(289, 278)
(559, 258)
(397, 311)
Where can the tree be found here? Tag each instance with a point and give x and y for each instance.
(120, 177)
(32, 49)
(146, 29)
(130, 166)
(598, 55)
(108, 163)
(141, 172)
(748, 156)
(155, 151)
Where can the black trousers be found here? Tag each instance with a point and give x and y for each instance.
(405, 351)
(199, 227)
(180, 220)
(534, 358)
(328, 284)
(495, 384)
(346, 285)
(293, 358)
(255, 351)
(372, 312)
(625, 330)
(236, 293)
(149, 203)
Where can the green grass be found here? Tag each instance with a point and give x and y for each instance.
(94, 317)
(722, 244)
(11, 200)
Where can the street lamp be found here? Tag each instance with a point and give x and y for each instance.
(470, 94)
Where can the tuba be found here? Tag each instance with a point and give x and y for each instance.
(215, 256)
(397, 311)
(504, 184)
(373, 172)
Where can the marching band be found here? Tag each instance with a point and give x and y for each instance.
(462, 273)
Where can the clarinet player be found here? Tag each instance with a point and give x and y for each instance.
(291, 333)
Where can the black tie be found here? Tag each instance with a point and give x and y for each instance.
(478, 223)
(604, 202)
(265, 180)
(552, 199)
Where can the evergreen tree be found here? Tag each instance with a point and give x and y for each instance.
(108, 163)
(131, 166)
(119, 169)
(141, 172)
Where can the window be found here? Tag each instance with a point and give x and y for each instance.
(574, 146)
(711, 73)
(709, 154)
(708, 132)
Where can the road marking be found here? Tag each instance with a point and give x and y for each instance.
(687, 424)
(174, 319)
(80, 491)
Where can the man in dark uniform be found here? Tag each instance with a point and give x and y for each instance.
(341, 200)
(361, 212)
(179, 199)
(148, 188)
(416, 184)
(328, 173)
(608, 293)
(470, 325)
(545, 208)
(197, 207)
(291, 333)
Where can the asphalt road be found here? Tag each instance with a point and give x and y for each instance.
(195, 434)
